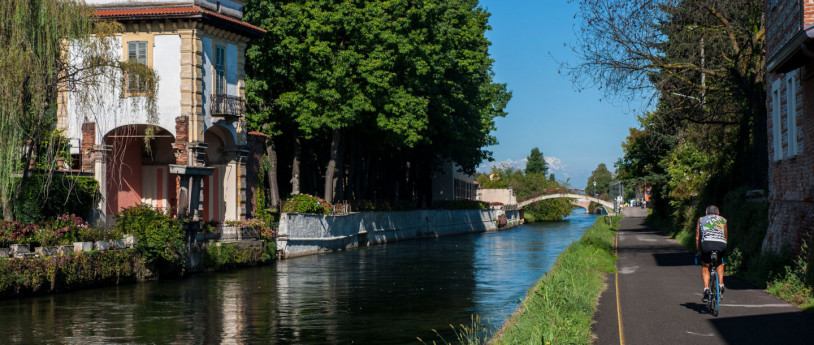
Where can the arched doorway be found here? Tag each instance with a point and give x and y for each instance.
(137, 169)
(221, 189)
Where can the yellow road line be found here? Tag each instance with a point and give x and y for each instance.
(618, 305)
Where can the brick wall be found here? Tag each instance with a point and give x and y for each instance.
(88, 140)
(791, 179)
(783, 20)
(181, 140)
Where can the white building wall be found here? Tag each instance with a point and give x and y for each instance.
(502, 195)
(109, 110)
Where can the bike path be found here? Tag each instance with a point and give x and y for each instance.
(659, 294)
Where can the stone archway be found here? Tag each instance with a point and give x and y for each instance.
(220, 192)
(136, 170)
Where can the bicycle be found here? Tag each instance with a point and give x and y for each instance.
(714, 298)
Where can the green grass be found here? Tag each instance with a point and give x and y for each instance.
(559, 309)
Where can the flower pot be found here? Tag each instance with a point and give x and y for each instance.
(46, 251)
(101, 245)
(82, 246)
(19, 249)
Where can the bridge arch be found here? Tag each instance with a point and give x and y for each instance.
(569, 194)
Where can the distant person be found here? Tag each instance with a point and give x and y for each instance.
(711, 234)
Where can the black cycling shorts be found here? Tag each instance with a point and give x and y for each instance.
(706, 251)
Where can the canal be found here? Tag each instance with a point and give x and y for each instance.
(388, 294)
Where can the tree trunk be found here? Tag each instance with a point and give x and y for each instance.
(274, 188)
(295, 168)
(330, 171)
(339, 180)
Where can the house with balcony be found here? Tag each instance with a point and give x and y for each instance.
(192, 149)
(790, 119)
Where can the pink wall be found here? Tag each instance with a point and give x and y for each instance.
(124, 175)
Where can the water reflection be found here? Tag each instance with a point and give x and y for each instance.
(385, 294)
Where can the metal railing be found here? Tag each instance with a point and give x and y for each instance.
(226, 105)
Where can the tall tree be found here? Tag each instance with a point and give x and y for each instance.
(52, 46)
(704, 60)
(411, 80)
(599, 181)
(535, 163)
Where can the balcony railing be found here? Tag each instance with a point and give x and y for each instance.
(227, 106)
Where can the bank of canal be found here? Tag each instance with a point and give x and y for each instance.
(387, 294)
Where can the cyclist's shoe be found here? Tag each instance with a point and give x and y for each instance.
(721, 289)
(706, 296)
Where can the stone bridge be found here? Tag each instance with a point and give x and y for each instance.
(578, 196)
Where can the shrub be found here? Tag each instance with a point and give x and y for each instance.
(69, 272)
(229, 255)
(63, 195)
(160, 237)
(304, 203)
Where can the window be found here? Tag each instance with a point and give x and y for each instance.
(791, 113)
(136, 51)
(777, 139)
(220, 72)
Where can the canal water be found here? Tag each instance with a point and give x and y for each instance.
(387, 294)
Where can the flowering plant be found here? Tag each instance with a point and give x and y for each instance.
(304, 203)
(14, 232)
(259, 227)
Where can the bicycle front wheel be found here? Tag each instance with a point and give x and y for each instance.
(715, 293)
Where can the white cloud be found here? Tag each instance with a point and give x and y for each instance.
(517, 164)
(555, 163)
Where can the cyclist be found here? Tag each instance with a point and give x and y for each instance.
(711, 234)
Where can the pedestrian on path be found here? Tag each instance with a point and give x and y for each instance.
(711, 234)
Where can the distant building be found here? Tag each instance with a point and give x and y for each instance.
(198, 149)
(504, 196)
(790, 104)
(450, 184)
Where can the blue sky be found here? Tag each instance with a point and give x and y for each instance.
(576, 130)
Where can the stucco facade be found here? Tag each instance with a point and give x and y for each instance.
(790, 102)
(197, 49)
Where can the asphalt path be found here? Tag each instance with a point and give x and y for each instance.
(659, 291)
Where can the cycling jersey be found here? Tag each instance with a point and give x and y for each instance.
(712, 228)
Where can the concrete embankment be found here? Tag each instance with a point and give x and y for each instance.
(306, 234)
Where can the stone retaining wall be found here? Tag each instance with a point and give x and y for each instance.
(305, 234)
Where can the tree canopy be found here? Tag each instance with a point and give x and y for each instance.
(599, 182)
(536, 163)
(703, 61)
(41, 41)
(391, 85)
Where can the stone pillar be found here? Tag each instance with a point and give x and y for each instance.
(88, 141)
(241, 157)
(99, 156)
(183, 196)
(197, 154)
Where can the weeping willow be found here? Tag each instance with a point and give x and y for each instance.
(36, 37)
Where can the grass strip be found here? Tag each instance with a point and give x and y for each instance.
(559, 309)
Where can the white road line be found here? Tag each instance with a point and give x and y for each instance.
(778, 305)
(628, 269)
(702, 334)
